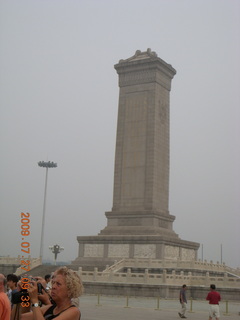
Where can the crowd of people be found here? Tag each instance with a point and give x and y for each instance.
(37, 298)
(56, 296)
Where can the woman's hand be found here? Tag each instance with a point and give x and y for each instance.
(44, 297)
(33, 291)
(42, 281)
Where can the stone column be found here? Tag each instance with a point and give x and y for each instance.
(141, 175)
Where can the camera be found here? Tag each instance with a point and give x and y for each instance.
(39, 285)
(40, 288)
(22, 295)
(17, 296)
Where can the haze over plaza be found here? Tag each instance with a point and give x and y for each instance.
(59, 100)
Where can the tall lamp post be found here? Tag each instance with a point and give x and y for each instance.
(56, 249)
(46, 165)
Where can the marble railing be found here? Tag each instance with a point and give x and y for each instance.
(34, 262)
(10, 260)
(158, 279)
(171, 264)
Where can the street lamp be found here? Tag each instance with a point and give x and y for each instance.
(56, 249)
(46, 165)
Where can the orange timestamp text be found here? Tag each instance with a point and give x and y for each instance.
(25, 262)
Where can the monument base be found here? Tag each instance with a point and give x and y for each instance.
(139, 223)
(103, 250)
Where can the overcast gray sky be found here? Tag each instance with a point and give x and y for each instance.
(59, 100)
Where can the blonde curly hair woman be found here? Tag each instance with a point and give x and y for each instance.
(66, 285)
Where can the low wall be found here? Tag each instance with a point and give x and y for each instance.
(10, 260)
(13, 265)
(8, 268)
(164, 278)
(172, 264)
(34, 262)
(165, 283)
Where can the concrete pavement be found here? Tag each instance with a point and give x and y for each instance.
(122, 308)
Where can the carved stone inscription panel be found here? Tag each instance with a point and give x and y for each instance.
(188, 254)
(93, 250)
(118, 250)
(134, 149)
(171, 252)
(145, 251)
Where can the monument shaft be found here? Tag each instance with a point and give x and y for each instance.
(141, 177)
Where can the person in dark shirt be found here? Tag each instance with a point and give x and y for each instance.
(183, 301)
(12, 281)
(214, 298)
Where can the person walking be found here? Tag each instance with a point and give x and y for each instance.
(183, 301)
(214, 298)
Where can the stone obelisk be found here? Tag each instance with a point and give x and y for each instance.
(140, 225)
(141, 177)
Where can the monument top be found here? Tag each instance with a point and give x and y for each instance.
(146, 56)
(139, 55)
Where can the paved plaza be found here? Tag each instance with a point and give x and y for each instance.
(123, 308)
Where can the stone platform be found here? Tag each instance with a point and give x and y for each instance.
(102, 250)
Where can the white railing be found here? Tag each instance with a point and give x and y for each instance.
(10, 260)
(34, 262)
(171, 264)
(158, 279)
(112, 275)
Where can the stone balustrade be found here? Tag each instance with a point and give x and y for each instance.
(172, 264)
(10, 260)
(173, 278)
(34, 262)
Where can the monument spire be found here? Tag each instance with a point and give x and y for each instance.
(141, 175)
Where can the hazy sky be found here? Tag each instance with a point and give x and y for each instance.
(59, 102)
